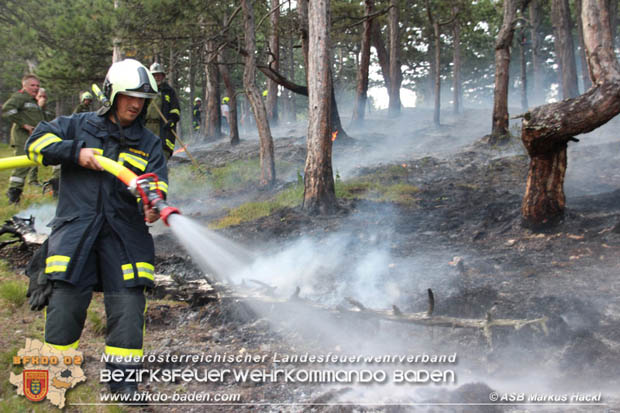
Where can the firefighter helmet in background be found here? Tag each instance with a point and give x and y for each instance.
(86, 95)
(197, 100)
(128, 77)
(225, 99)
(157, 68)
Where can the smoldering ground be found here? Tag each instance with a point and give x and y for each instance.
(383, 253)
(466, 211)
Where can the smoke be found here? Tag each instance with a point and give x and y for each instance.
(593, 162)
(42, 214)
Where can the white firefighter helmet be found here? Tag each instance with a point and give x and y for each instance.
(129, 77)
(157, 68)
(86, 95)
(197, 100)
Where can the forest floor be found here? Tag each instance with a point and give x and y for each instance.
(420, 208)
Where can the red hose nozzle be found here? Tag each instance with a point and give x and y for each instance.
(165, 212)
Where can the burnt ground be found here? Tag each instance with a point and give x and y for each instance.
(460, 235)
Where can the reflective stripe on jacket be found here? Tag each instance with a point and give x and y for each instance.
(87, 198)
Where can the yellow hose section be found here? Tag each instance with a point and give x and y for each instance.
(16, 162)
(116, 169)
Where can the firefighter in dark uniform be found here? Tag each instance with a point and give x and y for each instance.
(23, 110)
(85, 100)
(99, 239)
(196, 115)
(168, 103)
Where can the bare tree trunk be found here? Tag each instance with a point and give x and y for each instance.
(456, 66)
(429, 90)
(585, 76)
(437, 80)
(319, 191)
(192, 80)
(523, 62)
(116, 44)
(213, 122)
(359, 109)
(292, 101)
(382, 54)
(564, 47)
(302, 10)
(395, 71)
(502, 73)
(274, 62)
(336, 125)
(267, 162)
(613, 20)
(537, 60)
(547, 129)
(171, 77)
(232, 103)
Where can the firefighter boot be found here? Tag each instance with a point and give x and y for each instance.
(14, 194)
(125, 385)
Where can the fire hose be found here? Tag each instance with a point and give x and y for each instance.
(145, 186)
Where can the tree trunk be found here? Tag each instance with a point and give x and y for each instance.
(456, 67)
(437, 80)
(613, 20)
(537, 60)
(547, 129)
(274, 62)
(171, 77)
(292, 102)
(213, 122)
(395, 71)
(564, 47)
(192, 81)
(384, 59)
(359, 109)
(585, 76)
(336, 125)
(319, 191)
(523, 62)
(302, 10)
(232, 103)
(116, 44)
(429, 89)
(267, 162)
(502, 73)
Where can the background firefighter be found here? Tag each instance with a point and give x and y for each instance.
(85, 100)
(196, 116)
(99, 238)
(167, 101)
(23, 110)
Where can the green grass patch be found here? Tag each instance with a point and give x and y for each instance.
(96, 321)
(235, 176)
(251, 211)
(374, 190)
(13, 292)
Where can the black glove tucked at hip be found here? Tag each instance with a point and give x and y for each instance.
(40, 287)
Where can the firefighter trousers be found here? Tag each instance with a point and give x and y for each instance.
(125, 307)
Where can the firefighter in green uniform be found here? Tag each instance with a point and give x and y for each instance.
(168, 104)
(85, 100)
(23, 110)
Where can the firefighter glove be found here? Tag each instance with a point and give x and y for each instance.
(40, 286)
